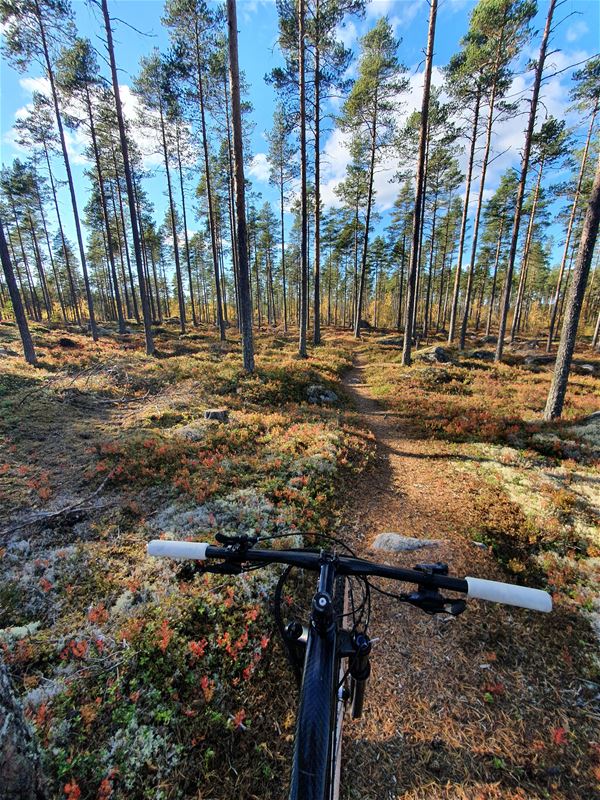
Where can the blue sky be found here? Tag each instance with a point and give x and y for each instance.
(576, 38)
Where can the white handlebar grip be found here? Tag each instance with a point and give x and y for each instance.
(179, 550)
(511, 595)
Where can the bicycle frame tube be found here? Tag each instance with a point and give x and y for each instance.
(312, 748)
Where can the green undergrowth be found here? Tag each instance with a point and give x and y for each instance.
(139, 681)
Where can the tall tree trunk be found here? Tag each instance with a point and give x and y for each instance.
(21, 319)
(365, 248)
(539, 71)
(63, 144)
(209, 199)
(494, 278)
(285, 311)
(240, 199)
(558, 388)
(401, 284)
(40, 270)
(569, 231)
(525, 260)
(232, 215)
(463, 223)
(136, 312)
(35, 302)
(180, 296)
(317, 258)
(303, 188)
(429, 276)
(414, 255)
(105, 217)
(59, 292)
(484, 165)
(129, 183)
(72, 289)
(185, 232)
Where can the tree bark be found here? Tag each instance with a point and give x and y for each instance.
(317, 144)
(414, 255)
(494, 278)
(558, 388)
(240, 199)
(303, 189)
(569, 232)
(21, 320)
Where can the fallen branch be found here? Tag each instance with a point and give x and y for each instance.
(45, 516)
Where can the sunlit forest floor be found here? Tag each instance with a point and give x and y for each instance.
(143, 685)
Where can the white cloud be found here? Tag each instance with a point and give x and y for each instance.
(404, 11)
(379, 8)
(576, 30)
(259, 167)
(347, 34)
(41, 85)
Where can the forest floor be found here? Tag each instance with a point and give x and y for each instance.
(497, 703)
(142, 685)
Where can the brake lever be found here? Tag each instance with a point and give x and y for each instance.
(432, 602)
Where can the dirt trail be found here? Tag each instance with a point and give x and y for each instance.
(428, 731)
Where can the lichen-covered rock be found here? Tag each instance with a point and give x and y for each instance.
(434, 354)
(20, 764)
(396, 543)
(319, 395)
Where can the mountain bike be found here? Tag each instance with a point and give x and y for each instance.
(330, 651)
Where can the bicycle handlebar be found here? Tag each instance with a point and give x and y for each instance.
(492, 591)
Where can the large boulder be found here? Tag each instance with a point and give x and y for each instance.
(435, 355)
(320, 395)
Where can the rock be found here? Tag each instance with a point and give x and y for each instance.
(391, 341)
(583, 369)
(20, 760)
(20, 631)
(67, 343)
(482, 355)
(435, 376)
(538, 360)
(218, 414)
(481, 545)
(319, 395)
(488, 340)
(194, 432)
(396, 543)
(434, 354)
(364, 325)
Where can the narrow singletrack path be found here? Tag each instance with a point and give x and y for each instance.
(429, 730)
